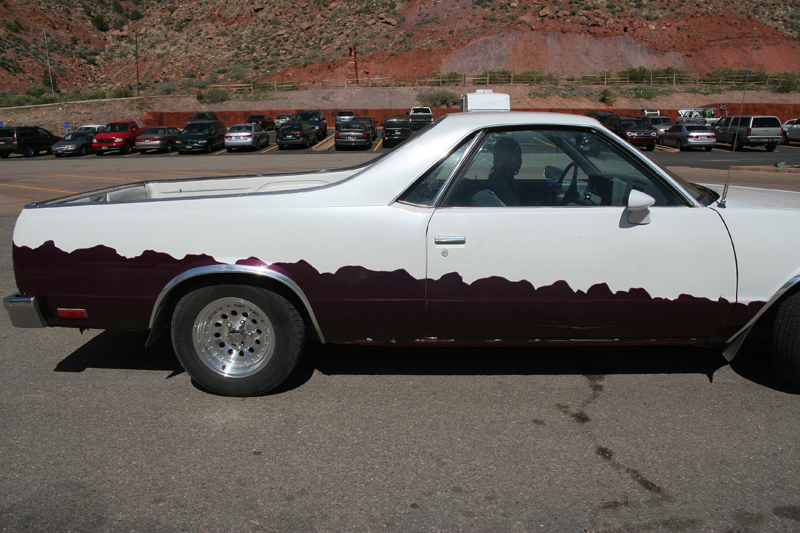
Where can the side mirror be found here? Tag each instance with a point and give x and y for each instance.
(639, 206)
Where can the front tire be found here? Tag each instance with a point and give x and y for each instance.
(786, 340)
(83, 151)
(679, 144)
(127, 149)
(237, 340)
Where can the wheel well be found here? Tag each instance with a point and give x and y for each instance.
(164, 313)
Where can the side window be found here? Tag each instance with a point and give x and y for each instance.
(426, 189)
(675, 129)
(555, 167)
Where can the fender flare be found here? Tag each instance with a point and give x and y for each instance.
(194, 273)
(733, 344)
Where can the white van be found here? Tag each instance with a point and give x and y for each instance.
(485, 100)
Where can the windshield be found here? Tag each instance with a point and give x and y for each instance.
(196, 128)
(660, 121)
(633, 124)
(117, 127)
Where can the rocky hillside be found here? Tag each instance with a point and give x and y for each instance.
(93, 44)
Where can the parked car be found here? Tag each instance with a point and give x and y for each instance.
(316, 119)
(203, 116)
(371, 127)
(632, 130)
(343, 116)
(604, 250)
(297, 133)
(25, 140)
(658, 124)
(116, 137)
(420, 117)
(75, 143)
(262, 120)
(202, 136)
(750, 130)
(791, 130)
(396, 130)
(251, 136)
(683, 136)
(353, 134)
(283, 118)
(92, 128)
(160, 139)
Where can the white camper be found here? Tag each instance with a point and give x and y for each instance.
(485, 100)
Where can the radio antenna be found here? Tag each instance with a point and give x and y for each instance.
(721, 202)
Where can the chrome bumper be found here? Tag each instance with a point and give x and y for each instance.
(24, 311)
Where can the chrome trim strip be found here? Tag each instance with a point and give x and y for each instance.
(24, 311)
(450, 240)
(235, 269)
(786, 286)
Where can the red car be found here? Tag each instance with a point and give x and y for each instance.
(116, 137)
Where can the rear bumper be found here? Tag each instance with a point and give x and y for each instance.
(24, 311)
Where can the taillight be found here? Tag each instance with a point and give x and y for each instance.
(337, 136)
(363, 135)
(15, 138)
(748, 132)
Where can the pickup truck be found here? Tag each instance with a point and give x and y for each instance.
(750, 130)
(420, 117)
(116, 137)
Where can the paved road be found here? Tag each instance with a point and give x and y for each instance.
(99, 434)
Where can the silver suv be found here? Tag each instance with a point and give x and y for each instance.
(749, 130)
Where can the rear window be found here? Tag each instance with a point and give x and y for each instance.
(398, 124)
(289, 128)
(345, 114)
(766, 122)
(241, 127)
(6, 132)
(697, 128)
(353, 126)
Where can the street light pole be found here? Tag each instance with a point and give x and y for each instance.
(136, 37)
(49, 72)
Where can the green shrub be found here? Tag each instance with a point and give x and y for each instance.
(439, 98)
(215, 96)
(606, 96)
(119, 92)
(37, 91)
(788, 82)
(200, 96)
(99, 22)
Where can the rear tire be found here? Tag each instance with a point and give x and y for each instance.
(786, 340)
(237, 340)
(771, 147)
(708, 148)
(29, 151)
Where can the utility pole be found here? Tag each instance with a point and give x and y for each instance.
(49, 73)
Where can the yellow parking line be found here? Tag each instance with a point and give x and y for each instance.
(223, 150)
(89, 177)
(268, 149)
(378, 145)
(35, 188)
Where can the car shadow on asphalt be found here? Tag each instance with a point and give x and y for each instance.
(126, 350)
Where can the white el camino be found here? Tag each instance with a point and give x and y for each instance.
(487, 228)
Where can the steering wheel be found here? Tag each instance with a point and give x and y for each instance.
(550, 194)
(572, 191)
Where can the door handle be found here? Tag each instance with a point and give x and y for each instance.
(450, 240)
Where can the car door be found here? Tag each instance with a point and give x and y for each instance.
(570, 262)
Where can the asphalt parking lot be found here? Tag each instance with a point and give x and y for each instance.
(100, 434)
